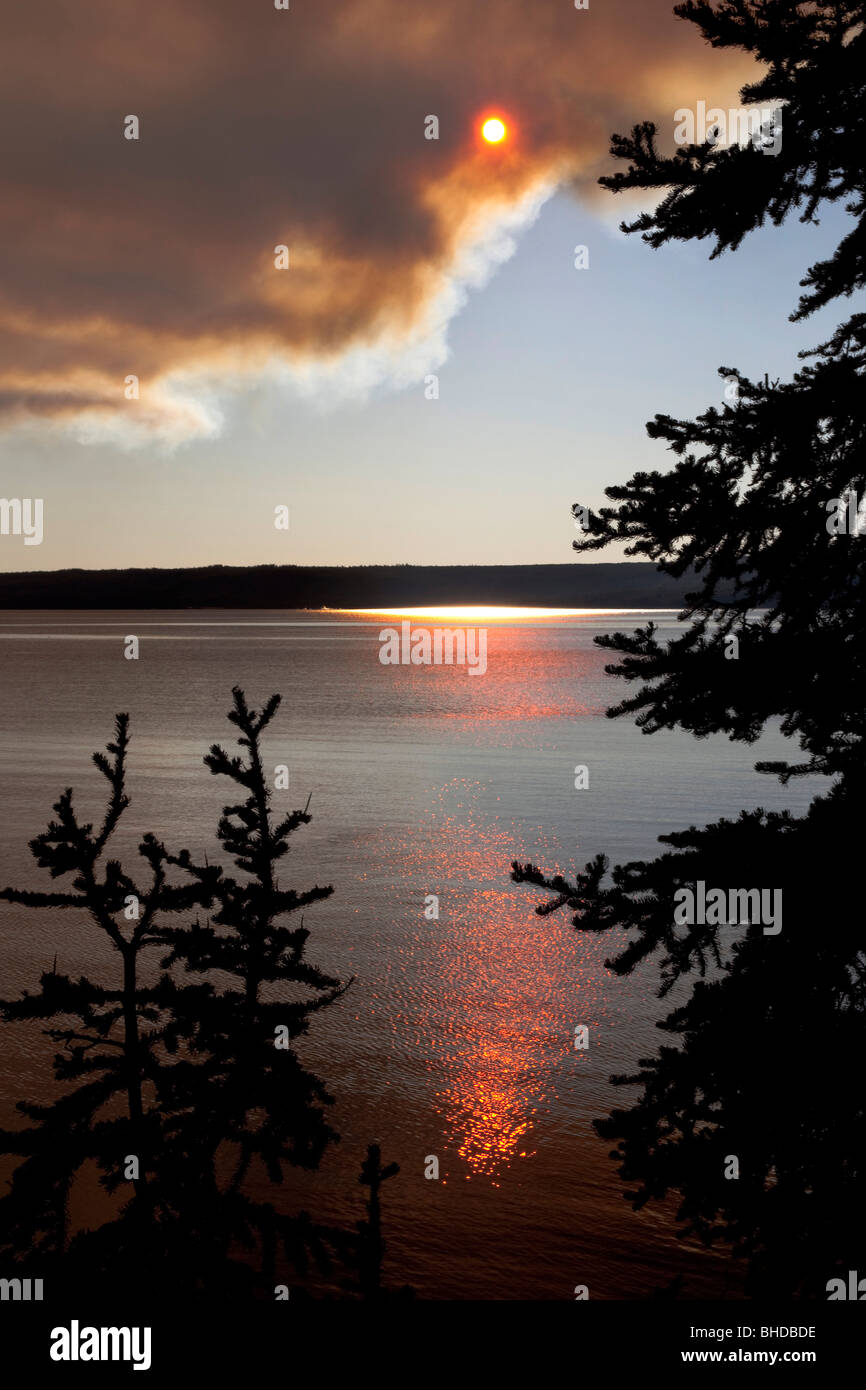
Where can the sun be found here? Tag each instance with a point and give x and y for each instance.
(493, 130)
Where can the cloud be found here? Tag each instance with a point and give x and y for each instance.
(305, 128)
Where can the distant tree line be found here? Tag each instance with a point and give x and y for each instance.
(637, 585)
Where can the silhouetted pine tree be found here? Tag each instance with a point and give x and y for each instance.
(762, 1071)
(111, 1033)
(197, 1080)
(240, 1100)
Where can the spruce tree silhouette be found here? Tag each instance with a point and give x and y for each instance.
(241, 1097)
(766, 1037)
(110, 1038)
(195, 1079)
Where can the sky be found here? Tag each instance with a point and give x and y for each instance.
(310, 387)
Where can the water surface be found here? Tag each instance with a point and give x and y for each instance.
(456, 1039)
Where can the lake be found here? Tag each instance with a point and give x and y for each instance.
(456, 1037)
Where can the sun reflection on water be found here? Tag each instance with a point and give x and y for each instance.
(481, 612)
(502, 988)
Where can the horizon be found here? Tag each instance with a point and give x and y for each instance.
(398, 564)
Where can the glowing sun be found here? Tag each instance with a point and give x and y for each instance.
(493, 130)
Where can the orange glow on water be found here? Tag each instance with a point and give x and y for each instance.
(501, 989)
(530, 679)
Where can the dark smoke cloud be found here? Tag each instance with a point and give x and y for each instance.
(304, 127)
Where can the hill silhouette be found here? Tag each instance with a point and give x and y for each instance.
(622, 585)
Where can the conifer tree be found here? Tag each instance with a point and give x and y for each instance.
(752, 508)
(181, 1086)
(241, 1099)
(110, 1033)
